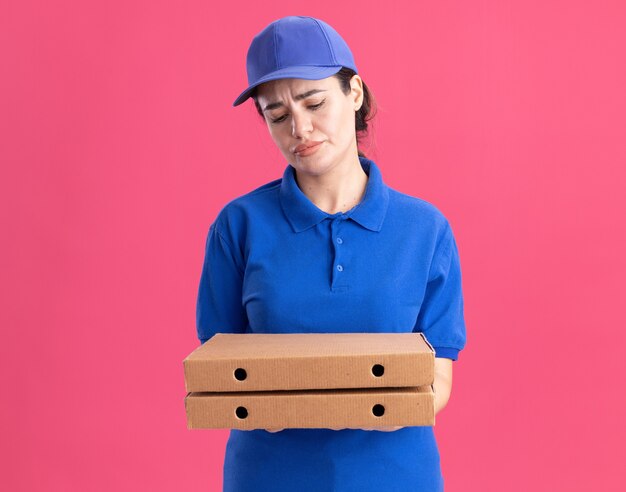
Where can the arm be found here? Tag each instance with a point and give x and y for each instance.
(442, 388)
(443, 382)
(441, 316)
(219, 308)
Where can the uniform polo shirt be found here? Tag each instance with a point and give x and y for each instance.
(276, 263)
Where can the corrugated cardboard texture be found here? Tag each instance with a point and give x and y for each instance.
(298, 361)
(312, 409)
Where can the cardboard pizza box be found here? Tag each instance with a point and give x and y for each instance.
(346, 408)
(304, 361)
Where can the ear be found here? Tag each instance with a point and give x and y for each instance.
(356, 84)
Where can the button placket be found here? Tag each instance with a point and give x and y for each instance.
(336, 240)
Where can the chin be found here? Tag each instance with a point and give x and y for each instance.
(312, 166)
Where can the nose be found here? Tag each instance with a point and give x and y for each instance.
(301, 124)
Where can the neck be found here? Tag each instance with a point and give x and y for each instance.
(339, 190)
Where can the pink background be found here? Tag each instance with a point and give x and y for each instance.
(120, 145)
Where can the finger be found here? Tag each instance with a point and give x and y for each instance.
(390, 429)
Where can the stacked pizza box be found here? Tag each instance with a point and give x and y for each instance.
(310, 380)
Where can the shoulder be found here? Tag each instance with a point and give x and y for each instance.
(413, 211)
(237, 212)
(423, 221)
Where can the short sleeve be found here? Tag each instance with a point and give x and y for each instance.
(441, 316)
(219, 306)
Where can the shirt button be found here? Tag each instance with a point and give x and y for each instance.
(340, 268)
(339, 240)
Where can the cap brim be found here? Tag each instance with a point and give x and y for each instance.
(302, 72)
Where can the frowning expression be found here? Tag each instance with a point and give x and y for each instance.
(312, 121)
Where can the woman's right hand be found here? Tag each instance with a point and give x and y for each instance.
(382, 429)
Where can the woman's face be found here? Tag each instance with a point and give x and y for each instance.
(316, 113)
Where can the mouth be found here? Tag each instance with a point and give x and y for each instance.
(306, 149)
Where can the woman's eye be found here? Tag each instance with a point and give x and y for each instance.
(314, 107)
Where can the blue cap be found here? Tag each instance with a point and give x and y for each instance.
(295, 47)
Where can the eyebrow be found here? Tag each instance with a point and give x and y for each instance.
(299, 97)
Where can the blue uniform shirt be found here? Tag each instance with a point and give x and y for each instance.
(276, 263)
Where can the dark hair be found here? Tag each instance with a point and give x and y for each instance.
(365, 113)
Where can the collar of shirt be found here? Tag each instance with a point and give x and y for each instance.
(302, 213)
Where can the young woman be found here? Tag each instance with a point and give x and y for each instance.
(328, 248)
